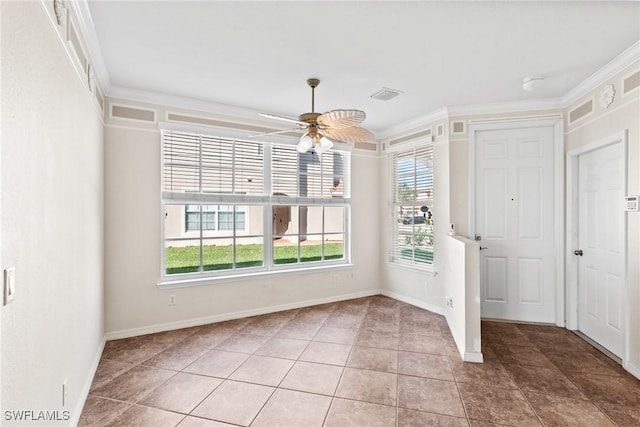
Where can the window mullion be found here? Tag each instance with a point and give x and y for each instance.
(199, 163)
(267, 209)
(323, 231)
(201, 215)
(234, 207)
(201, 269)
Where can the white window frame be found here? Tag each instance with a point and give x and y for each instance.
(268, 267)
(413, 145)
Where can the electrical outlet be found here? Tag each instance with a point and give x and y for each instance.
(334, 278)
(450, 302)
(172, 300)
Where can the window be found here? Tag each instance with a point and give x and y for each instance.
(412, 215)
(215, 217)
(218, 194)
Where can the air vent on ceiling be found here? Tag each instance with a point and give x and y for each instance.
(386, 94)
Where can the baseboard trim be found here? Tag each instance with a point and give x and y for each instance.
(473, 357)
(632, 369)
(163, 327)
(75, 415)
(413, 301)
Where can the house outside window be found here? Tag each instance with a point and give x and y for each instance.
(215, 217)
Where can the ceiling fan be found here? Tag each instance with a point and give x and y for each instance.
(323, 129)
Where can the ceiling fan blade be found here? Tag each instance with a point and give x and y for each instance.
(285, 119)
(276, 132)
(340, 119)
(351, 134)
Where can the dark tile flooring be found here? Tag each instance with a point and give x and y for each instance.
(365, 362)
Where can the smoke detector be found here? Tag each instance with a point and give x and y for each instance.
(532, 83)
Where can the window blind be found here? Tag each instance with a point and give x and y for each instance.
(203, 164)
(309, 175)
(412, 217)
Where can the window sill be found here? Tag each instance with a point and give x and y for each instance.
(430, 271)
(187, 282)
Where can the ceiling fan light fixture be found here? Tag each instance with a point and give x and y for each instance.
(324, 145)
(305, 143)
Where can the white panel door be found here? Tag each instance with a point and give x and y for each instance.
(514, 218)
(601, 240)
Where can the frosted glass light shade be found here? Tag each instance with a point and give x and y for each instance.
(324, 145)
(306, 142)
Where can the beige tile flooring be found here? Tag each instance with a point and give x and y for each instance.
(365, 362)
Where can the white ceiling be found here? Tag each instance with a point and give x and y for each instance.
(258, 55)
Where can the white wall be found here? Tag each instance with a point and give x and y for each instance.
(1, 263)
(134, 304)
(52, 227)
(463, 287)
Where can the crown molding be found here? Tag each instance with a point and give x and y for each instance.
(506, 107)
(421, 122)
(222, 111)
(615, 66)
(413, 125)
(84, 24)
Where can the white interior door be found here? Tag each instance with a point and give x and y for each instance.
(601, 240)
(514, 214)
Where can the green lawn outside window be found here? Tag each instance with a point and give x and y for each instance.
(187, 259)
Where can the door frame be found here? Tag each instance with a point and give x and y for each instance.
(558, 192)
(572, 229)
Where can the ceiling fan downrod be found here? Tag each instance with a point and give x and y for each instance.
(313, 83)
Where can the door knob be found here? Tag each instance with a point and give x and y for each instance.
(578, 252)
(482, 248)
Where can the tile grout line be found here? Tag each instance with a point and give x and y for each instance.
(455, 380)
(277, 387)
(575, 385)
(333, 397)
(398, 376)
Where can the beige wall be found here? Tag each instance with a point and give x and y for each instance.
(623, 113)
(52, 217)
(425, 289)
(134, 303)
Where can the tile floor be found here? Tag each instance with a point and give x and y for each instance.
(365, 362)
